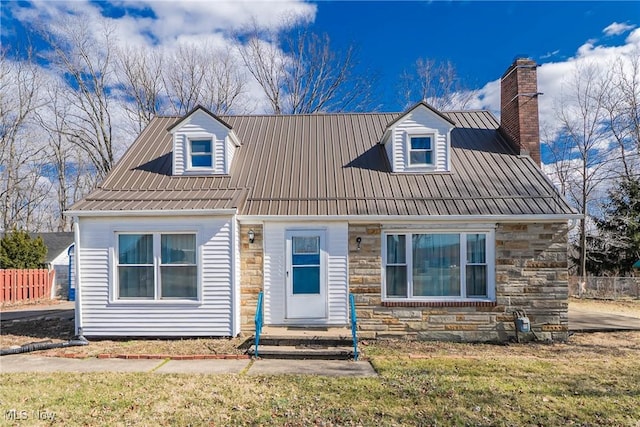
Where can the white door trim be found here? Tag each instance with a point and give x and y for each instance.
(306, 308)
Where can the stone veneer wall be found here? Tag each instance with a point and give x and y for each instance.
(251, 275)
(531, 274)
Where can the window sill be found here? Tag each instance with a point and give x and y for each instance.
(438, 303)
(151, 302)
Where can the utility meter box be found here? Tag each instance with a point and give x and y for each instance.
(523, 324)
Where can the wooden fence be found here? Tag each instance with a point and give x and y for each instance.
(25, 285)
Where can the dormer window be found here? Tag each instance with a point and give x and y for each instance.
(419, 141)
(421, 150)
(201, 153)
(203, 144)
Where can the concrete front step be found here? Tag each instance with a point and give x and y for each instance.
(304, 343)
(302, 352)
(308, 341)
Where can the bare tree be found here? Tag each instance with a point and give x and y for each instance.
(65, 164)
(436, 83)
(622, 107)
(584, 139)
(84, 55)
(19, 91)
(225, 85)
(300, 73)
(141, 73)
(202, 75)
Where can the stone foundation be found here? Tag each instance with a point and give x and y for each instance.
(531, 275)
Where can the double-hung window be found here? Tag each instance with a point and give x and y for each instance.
(421, 150)
(201, 151)
(157, 266)
(436, 266)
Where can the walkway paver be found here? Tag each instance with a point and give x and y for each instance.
(334, 368)
(330, 368)
(591, 321)
(203, 367)
(30, 363)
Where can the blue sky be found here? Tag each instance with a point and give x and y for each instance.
(481, 38)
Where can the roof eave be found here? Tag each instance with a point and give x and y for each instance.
(151, 212)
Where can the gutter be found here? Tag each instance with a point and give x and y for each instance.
(411, 218)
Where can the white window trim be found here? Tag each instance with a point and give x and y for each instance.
(490, 263)
(188, 155)
(417, 133)
(157, 254)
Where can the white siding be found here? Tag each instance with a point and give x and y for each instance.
(179, 144)
(418, 121)
(274, 273)
(200, 125)
(231, 151)
(338, 289)
(274, 270)
(103, 315)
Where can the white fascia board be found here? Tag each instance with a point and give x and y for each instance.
(234, 138)
(385, 136)
(168, 212)
(410, 219)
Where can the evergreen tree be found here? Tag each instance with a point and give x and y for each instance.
(617, 246)
(19, 250)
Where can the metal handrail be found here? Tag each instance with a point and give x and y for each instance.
(354, 322)
(258, 322)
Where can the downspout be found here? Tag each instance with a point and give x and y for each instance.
(235, 299)
(76, 262)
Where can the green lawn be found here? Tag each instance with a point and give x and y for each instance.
(592, 380)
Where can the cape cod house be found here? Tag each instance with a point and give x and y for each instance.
(441, 224)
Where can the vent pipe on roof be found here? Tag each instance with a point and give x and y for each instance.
(519, 107)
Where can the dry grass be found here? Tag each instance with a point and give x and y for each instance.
(592, 380)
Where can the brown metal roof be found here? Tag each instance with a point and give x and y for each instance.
(332, 164)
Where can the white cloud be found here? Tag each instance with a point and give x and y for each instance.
(617, 28)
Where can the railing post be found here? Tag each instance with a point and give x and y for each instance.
(258, 321)
(354, 322)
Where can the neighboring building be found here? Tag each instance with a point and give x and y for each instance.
(440, 223)
(58, 245)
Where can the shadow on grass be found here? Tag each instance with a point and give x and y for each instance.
(53, 329)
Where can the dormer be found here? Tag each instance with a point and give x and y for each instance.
(203, 144)
(419, 141)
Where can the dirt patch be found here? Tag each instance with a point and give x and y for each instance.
(58, 330)
(13, 306)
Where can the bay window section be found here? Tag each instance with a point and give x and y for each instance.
(438, 266)
(157, 266)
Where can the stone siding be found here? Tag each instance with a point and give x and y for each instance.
(531, 274)
(251, 275)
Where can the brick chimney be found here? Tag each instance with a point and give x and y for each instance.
(519, 107)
